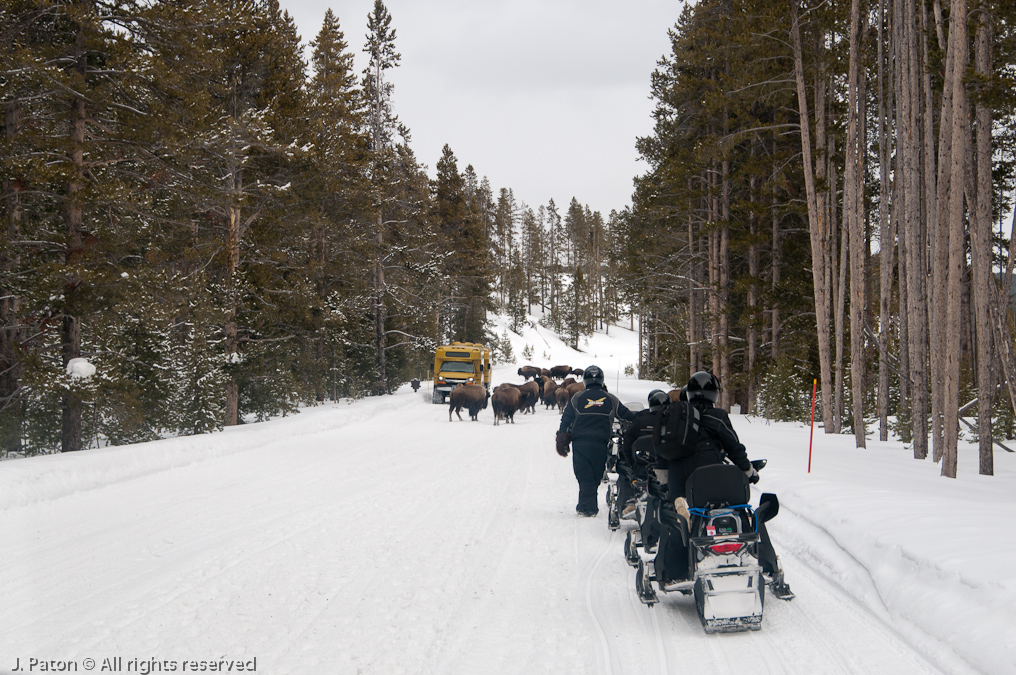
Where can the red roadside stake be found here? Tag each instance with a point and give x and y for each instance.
(811, 437)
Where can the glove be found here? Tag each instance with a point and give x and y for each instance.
(752, 475)
(563, 441)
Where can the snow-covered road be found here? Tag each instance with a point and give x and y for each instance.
(380, 538)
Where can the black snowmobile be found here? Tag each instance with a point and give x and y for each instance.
(615, 471)
(730, 560)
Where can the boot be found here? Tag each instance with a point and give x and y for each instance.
(587, 505)
(681, 506)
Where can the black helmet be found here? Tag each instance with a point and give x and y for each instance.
(592, 377)
(657, 399)
(683, 396)
(703, 385)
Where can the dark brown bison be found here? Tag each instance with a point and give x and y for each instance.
(559, 372)
(545, 372)
(472, 397)
(505, 402)
(529, 372)
(566, 391)
(529, 394)
(575, 387)
(578, 371)
(530, 397)
(567, 381)
(549, 391)
(562, 397)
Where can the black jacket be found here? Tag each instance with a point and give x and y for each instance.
(590, 414)
(716, 434)
(642, 425)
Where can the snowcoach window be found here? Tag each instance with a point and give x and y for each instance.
(456, 367)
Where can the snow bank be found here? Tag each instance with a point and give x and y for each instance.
(929, 555)
(34, 479)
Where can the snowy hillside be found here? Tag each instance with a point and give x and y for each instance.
(378, 537)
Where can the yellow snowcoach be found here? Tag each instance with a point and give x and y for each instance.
(460, 363)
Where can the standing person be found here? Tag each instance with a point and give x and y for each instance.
(586, 425)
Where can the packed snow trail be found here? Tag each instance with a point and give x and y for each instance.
(374, 538)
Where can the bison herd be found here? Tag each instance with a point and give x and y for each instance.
(540, 385)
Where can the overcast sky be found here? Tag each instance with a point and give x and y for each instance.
(545, 97)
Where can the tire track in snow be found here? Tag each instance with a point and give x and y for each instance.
(663, 661)
(809, 546)
(651, 621)
(607, 650)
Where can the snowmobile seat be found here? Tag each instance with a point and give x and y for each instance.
(717, 484)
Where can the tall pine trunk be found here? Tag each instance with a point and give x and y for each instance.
(981, 248)
(816, 226)
(378, 307)
(10, 321)
(853, 213)
(908, 114)
(887, 237)
(777, 263)
(70, 327)
(956, 233)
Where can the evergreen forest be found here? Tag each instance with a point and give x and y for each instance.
(221, 231)
(226, 231)
(827, 208)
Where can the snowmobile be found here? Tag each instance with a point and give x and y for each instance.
(612, 472)
(730, 561)
(649, 496)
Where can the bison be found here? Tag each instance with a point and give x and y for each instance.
(575, 387)
(472, 397)
(546, 373)
(527, 372)
(560, 372)
(504, 402)
(549, 389)
(562, 397)
(529, 394)
(530, 397)
(578, 372)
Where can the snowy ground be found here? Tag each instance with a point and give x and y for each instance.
(377, 537)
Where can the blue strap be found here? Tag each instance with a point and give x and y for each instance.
(704, 513)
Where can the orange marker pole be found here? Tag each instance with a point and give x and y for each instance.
(811, 438)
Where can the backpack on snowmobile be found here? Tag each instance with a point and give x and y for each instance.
(676, 432)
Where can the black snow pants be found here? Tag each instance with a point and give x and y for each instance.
(589, 460)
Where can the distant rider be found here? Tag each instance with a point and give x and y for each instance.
(586, 424)
(632, 466)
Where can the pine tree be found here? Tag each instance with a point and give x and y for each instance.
(383, 125)
(462, 235)
(339, 187)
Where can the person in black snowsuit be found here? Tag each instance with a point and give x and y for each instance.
(631, 466)
(586, 424)
(716, 439)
